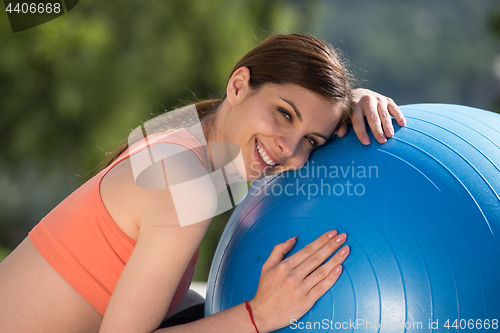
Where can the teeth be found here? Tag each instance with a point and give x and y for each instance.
(264, 156)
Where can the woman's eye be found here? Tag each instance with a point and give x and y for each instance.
(312, 141)
(285, 113)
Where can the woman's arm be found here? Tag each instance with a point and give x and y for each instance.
(287, 288)
(151, 276)
(378, 110)
(163, 250)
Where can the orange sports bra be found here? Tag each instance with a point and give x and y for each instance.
(87, 248)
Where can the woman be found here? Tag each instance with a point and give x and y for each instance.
(117, 257)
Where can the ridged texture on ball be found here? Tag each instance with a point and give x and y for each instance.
(422, 215)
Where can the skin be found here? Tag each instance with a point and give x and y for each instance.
(267, 116)
(377, 109)
(288, 287)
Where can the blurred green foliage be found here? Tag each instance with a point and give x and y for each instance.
(73, 88)
(3, 253)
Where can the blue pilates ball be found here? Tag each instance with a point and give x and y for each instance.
(422, 215)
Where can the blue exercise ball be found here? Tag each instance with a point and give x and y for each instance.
(422, 216)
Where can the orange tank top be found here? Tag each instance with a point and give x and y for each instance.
(87, 248)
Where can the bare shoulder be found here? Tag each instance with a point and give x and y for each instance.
(175, 192)
(117, 191)
(171, 226)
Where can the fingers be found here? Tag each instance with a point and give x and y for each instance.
(358, 123)
(309, 250)
(324, 270)
(385, 120)
(315, 260)
(342, 131)
(324, 285)
(378, 110)
(371, 111)
(279, 252)
(396, 112)
(289, 287)
(323, 278)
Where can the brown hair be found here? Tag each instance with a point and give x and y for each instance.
(302, 60)
(295, 58)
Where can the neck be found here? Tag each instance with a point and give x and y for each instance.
(222, 154)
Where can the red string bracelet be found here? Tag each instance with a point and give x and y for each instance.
(249, 309)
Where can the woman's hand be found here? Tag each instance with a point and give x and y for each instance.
(289, 288)
(378, 110)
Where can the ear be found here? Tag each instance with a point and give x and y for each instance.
(238, 87)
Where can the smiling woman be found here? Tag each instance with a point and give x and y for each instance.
(284, 98)
(276, 127)
(117, 251)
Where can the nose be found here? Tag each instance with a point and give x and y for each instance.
(287, 145)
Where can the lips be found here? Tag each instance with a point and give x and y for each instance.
(264, 156)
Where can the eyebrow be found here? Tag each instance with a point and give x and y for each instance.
(300, 117)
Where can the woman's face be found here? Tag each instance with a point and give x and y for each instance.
(278, 126)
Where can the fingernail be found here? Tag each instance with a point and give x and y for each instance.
(389, 131)
(337, 270)
(402, 122)
(340, 238)
(291, 239)
(332, 233)
(365, 140)
(344, 251)
(382, 138)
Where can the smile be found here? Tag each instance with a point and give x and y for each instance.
(264, 156)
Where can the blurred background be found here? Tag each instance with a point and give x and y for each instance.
(72, 89)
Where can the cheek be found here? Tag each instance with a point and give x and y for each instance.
(245, 130)
(300, 159)
(267, 122)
